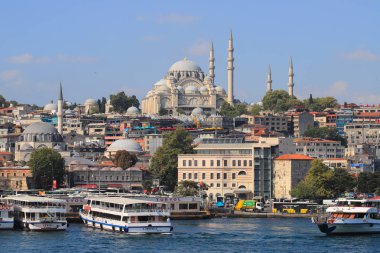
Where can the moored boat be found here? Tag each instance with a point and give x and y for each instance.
(38, 213)
(349, 220)
(6, 216)
(126, 215)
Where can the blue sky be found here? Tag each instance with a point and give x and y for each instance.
(99, 47)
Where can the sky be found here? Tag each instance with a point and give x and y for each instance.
(100, 47)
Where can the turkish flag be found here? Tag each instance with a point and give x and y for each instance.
(54, 184)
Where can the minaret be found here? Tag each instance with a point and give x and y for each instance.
(269, 81)
(230, 71)
(291, 74)
(60, 108)
(211, 66)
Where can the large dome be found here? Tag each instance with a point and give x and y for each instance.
(91, 101)
(185, 65)
(133, 110)
(125, 144)
(197, 111)
(40, 128)
(51, 107)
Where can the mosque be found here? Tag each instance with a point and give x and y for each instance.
(186, 88)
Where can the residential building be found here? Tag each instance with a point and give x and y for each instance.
(299, 122)
(319, 148)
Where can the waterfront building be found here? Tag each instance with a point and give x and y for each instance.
(288, 171)
(230, 169)
(318, 148)
(15, 178)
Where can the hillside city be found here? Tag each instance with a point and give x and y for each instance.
(191, 137)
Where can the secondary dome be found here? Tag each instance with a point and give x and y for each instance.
(161, 82)
(133, 110)
(163, 89)
(203, 90)
(125, 144)
(197, 111)
(185, 65)
(51, 107)
(220, 89)
(91, 101)
(191, 90)
(40, 128)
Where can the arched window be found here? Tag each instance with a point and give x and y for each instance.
(242, 187)
(242, 173)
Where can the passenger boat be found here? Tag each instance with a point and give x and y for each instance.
(349, 220)
(6, 216)
(38, 213)
(126, 215)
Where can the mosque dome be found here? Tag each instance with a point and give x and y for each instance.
(133, 110)
(91, 101)
(197, 111)
(125, 144)
(203, 90)
(163, 89)
(185, 65)
(51, 107)
(220, 90)
(40, 128)
(191, 90)
(161, 82)
(41, 132)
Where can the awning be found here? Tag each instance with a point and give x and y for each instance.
(242, 191)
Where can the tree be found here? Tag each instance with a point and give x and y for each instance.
(228, 110)
(121, 102)
(47, 165)
(368, 182)
(147, 185)
(279, 101)
(328, 133)
(320, 104)
(255, 109)
(187, 188)
(124, 159)
(103, 105)
(3, 102)
(164, 164)
(341, 182)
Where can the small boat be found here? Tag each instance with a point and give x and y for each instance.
(38, 213)
(349, 220)
(6, 216)
(126, 215)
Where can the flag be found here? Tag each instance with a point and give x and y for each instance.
(54, 184)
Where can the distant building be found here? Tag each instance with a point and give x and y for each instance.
(288, 171)
(15, 178)
(300, 122)
(319, 148)
(152, 142)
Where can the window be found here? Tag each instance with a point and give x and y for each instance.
(217, 185)
(190, 163)
(233, 175)
(233, 162)
(225, 185)
(211, 175)
(212, 163)
(233, 185)
(224, 176)
(218, 163)
(203, 163)
(203, 175)
(196, 163)
(239, 163)
(189, 175)
(217, 175)
(250, 163)
(245, 163)
(212, 185)
(195, 175)
(184, 163)
(183, 176)
(225, 162)
(242, 173)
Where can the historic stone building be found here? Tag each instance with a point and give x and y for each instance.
(186, 87)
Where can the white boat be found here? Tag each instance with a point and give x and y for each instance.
(6, 216)
(38, 213)
(349, 220)
(126, 215)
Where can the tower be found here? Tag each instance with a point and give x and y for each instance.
(230, 71)
(60, 108)
(269, 81)
(291, 74)
(211, 66)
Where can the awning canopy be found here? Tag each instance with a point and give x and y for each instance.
(242, 191)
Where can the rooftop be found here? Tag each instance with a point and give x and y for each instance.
(294, 157)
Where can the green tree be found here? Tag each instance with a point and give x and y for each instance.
(103, 105)
(368, 182)
(3, 102)
(47, 165)
(320, 104)
(164, 164)
(341, 182)
(279, 101)
(121, 102)
(255, 109)
(328, 133)
(187, 188)
(228, 110)
(124, 159)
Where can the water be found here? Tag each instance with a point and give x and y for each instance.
(215, 235)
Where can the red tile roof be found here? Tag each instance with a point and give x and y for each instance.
(294, 157)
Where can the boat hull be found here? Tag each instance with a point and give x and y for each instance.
(134, 228)
(365, 228)
(6, 225)
(42, 226)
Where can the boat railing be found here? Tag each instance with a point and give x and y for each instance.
(318, 219)
(146, 210)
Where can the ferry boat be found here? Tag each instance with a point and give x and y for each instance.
(6, 216)
(38, 213)
(349, 220)
(126, 215)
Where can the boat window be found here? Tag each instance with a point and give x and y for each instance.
(375, 216)
(346, 215)
(360, 215)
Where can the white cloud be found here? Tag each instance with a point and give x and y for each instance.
(338, 88)
(10, 75)
(177, 19)
(75, 59)
(361, 55)
(27, 58)
(201, 48)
